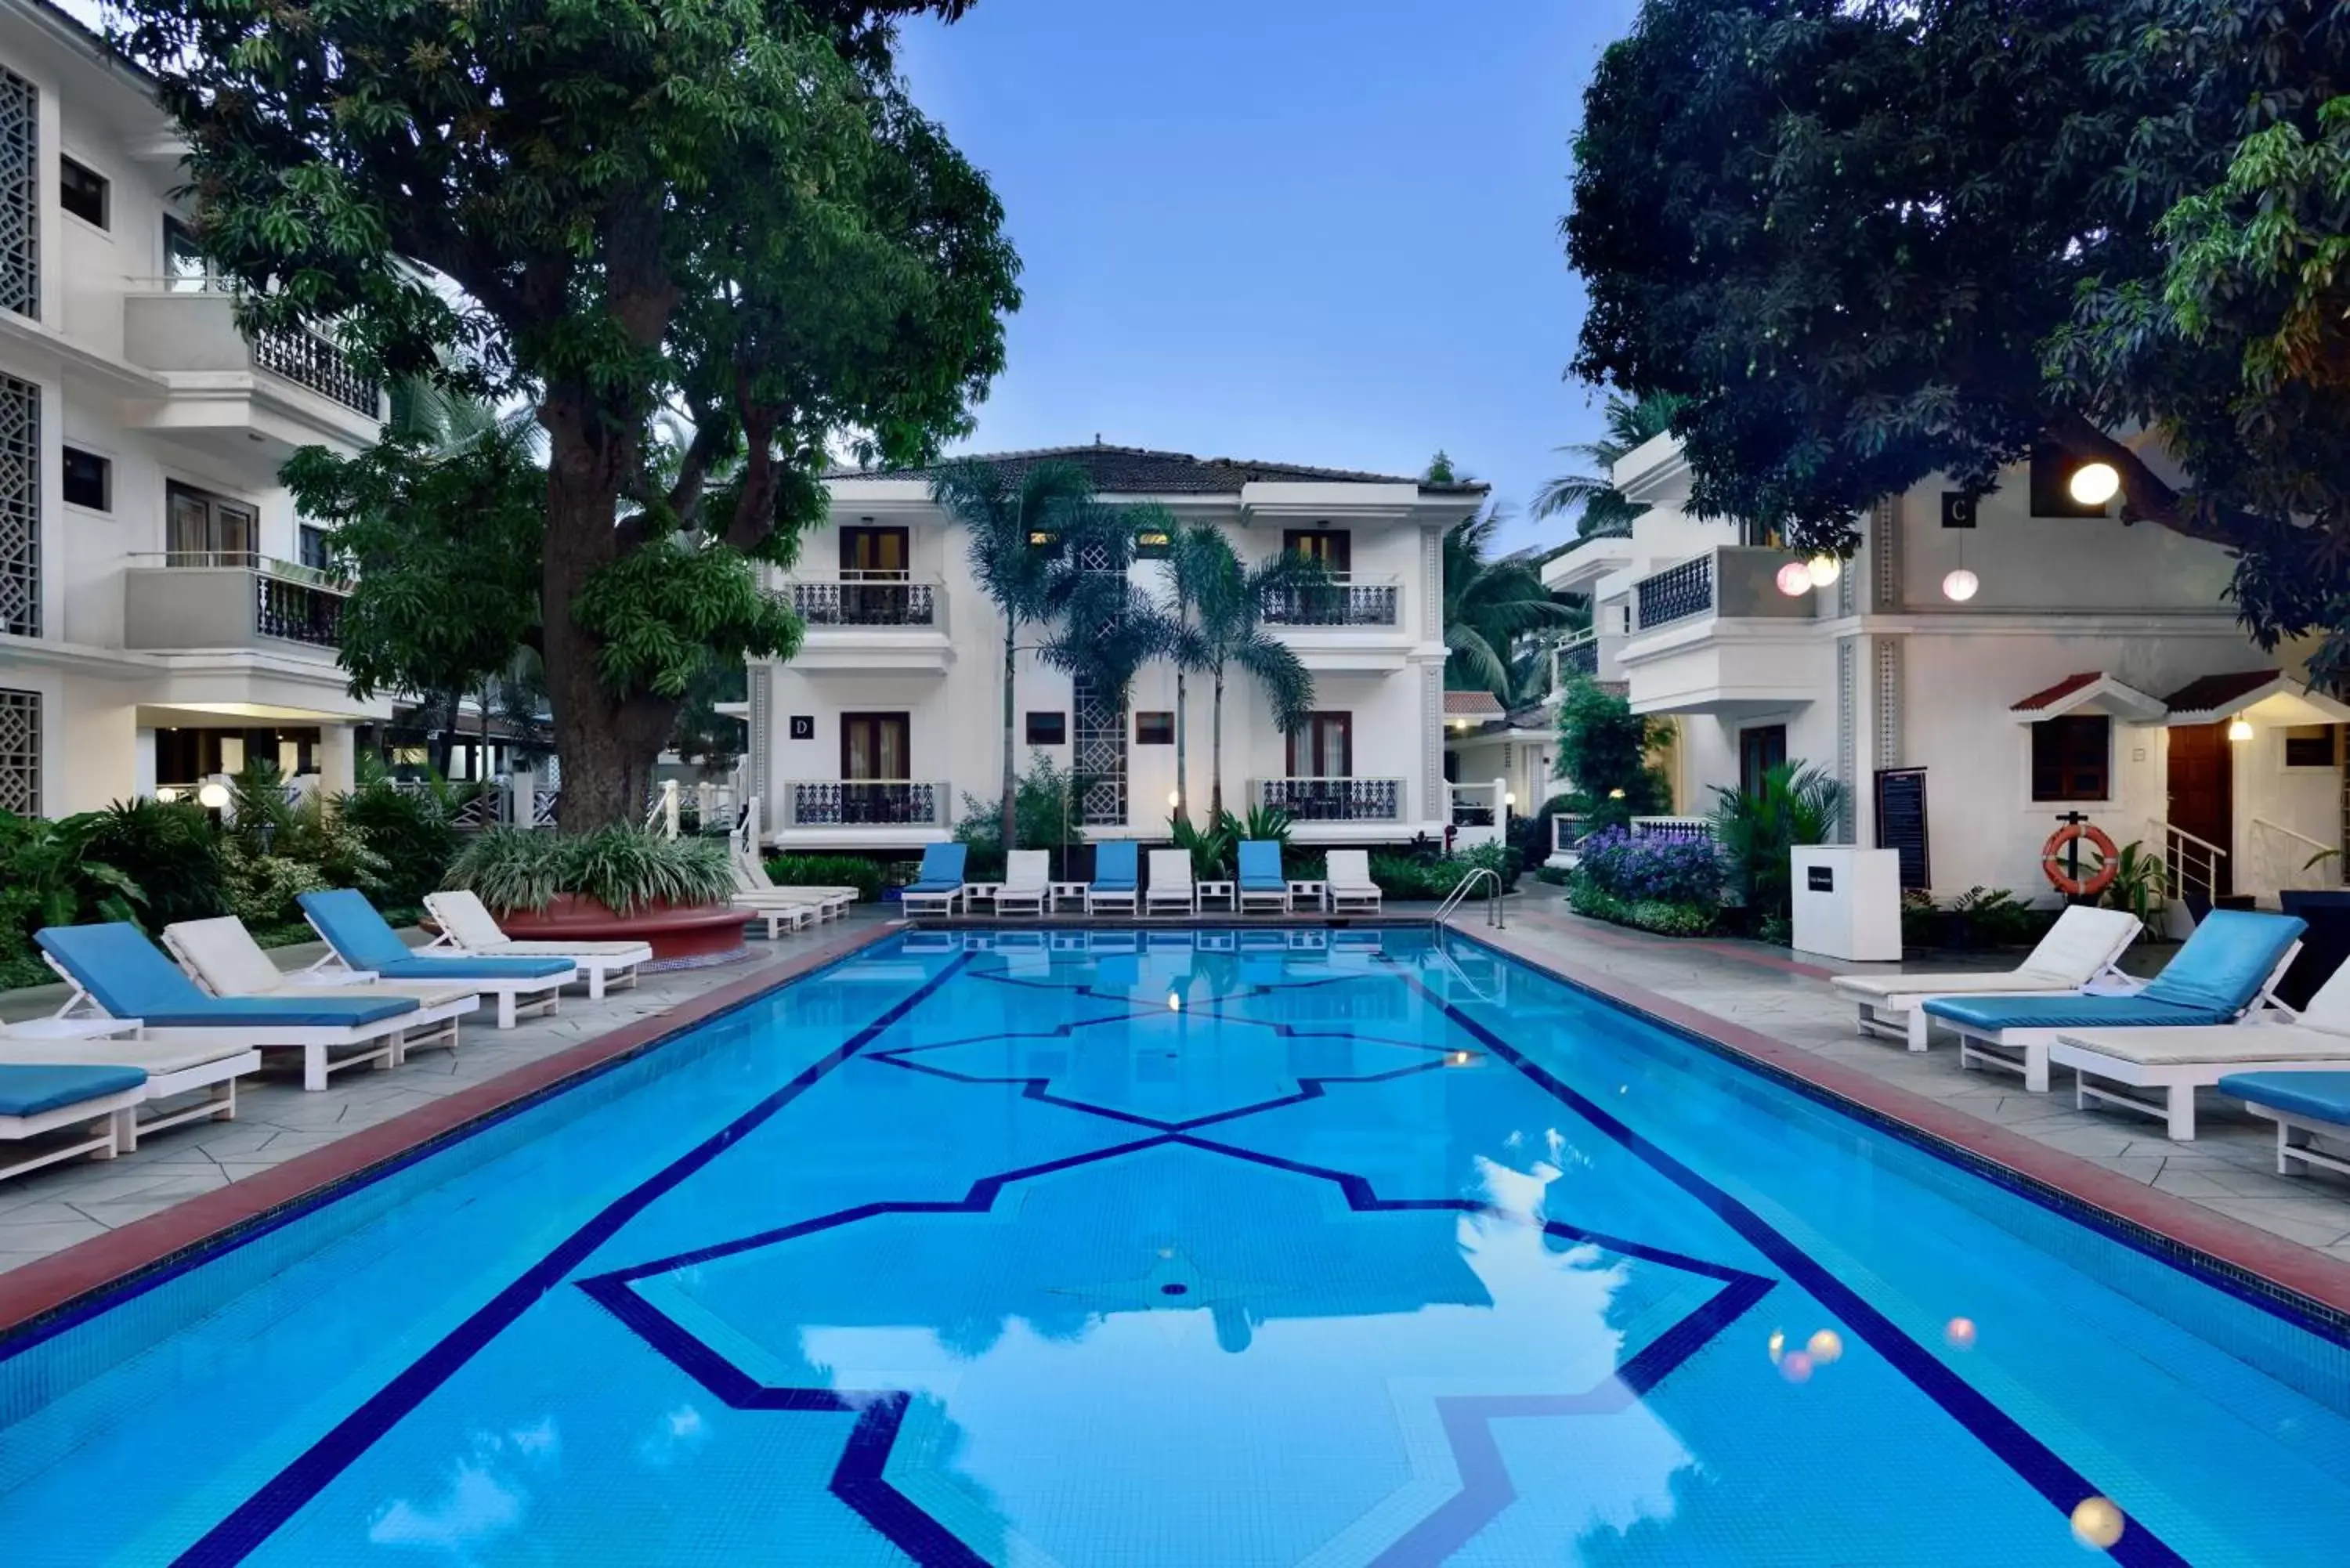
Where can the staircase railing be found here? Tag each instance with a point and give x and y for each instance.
(2300, 853)
(2191, 866)
(1467, 885)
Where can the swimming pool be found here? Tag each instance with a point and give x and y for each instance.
(1254, 1247)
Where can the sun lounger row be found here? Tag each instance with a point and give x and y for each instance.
(942, 888)
(137, 1035)
(2210, 1019)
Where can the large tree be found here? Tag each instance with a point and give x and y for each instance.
(1490, 603)
(1872, 240)
(1217, 613)
(728, 210)
(1600, 509)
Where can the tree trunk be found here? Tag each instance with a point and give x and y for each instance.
(1216, 752)
(1008, 821)
(1182, 778)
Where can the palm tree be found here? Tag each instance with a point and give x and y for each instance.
(1217, 620)
(1606, 510)
(1030, 534)
(1490, 604)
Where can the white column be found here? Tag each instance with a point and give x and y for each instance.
(142, 762)
(338, 752)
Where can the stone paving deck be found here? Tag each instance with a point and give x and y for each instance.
(61, 1205)
(2230, 1169)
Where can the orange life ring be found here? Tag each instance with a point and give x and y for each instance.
(2052, 862)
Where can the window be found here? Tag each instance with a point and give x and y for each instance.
(870, 553)
(318, 548)
(1154, 729)
(1322, 747)
(1332, 548)
(2070, 757)
(874, 745)
(82, 192)
(89, 480)
(1760, 749)
(2309, 746)
(1048, 728)
(202, 529)
(1152, 544)
(186, 269)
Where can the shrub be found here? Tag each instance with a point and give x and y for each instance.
(1661, 915)
(172, 851)
(1603, 749)
(48, 878)
(260, 889)
(1435, 876)
(1213, 849)
(865, 875)
(412, 832)
(1672, 870)
(1795, 804)
(622, 868)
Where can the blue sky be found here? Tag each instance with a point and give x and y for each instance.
(1307, 230)
(1312, 230)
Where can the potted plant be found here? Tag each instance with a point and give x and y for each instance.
(617, 884)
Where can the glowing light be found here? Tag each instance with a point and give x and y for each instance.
(1174, 1003)
(1511, 798)
(1960, 1332)
(2095, 484)
(212, 796)
(1174, 798)
(2239, 728)
(1961, 585)
(1796, 1366)
(1615, 795)
(1825, 1346)
(167, 795)
(1823, 570)
(1778, 1344)
(1794, 580)
(2098, 1523)
(1459, 1058)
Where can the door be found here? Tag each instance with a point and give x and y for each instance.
(1332, 548)
(1322, 747)
(874, 564)
(2202, 790)
(1760, 749)
(874, 762)
(206, 530)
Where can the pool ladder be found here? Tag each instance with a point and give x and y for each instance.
(1468, 885)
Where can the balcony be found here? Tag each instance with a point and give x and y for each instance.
(187, 601)
(1343, 599)
(1311, 800)
(870, 621)
(862, 813)
(1577, 656)
(1714, 635)
(279, 388)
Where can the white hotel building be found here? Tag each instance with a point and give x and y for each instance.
(891, 714)
(162, 612)
(2095, 668)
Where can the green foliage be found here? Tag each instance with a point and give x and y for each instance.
(1047, 816)
(1754, 832)
(1265, 824)
(728, 213)
(170, 851)
(624, 868)
(308, 832)
(1213, 849)
(48, 878)
(1876, 242)
(1603, 747)
(1602, 510)
(1216, 621)
(1665, 919)
(867, 876)
(413, 831)
(261, 889)
(2138, 884)
(1435, 876)
(1490, 602)
(1995, 916)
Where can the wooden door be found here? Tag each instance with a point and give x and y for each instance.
(1322, 747)
(1332, 548)
(874, 552)
(874, 746)
(2202, 788)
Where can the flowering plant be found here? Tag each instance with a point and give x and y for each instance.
(1673, 870)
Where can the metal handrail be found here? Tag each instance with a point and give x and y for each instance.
(2280, 827)
(1461, 891)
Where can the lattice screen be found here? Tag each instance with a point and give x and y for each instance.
(20, 195)
(20, 507)
(20, 753)
(1098, 751)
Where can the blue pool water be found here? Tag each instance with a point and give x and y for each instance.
(1191, 1249)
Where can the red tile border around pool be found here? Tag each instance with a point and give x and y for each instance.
(2287, 1264)
(43, 1287)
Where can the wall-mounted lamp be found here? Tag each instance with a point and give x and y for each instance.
(2095, 484)
(2239, 728)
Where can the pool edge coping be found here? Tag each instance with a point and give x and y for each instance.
(85, 1273)
(2230, 1253)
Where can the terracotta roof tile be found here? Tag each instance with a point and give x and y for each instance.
(1471, 705)
(2058, 692)
(1138, 470)
(2209, 693)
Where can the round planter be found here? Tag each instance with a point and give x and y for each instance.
(683, 936)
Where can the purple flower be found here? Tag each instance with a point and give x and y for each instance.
(1673, 870)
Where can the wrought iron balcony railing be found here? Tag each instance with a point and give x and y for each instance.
(1676, 593)
(1342, 600)
(864, 803)
(864, 599)
(1333, 799)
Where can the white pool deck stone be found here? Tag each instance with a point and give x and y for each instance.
(2228, 1168)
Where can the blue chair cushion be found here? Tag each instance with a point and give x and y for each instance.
(942, 863)
(127, 976)
(927, 886)
(433, 966)
(2224, 962)
(2322, 1097)
(360, 937)
(27, 1091)
(2070, 1011)
(1116, 868)
(1261, 865)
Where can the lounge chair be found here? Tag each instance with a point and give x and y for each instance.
(467, 926)
(2227, 968)
(116, 972)
(1115, 879)
(2305, 1107)
(752, 881)
(1171, 883)
(1348, 877)
(2080, 950)
(939, 887)
(1262, 879)
(361, 940)
(36, 1098)
(2175, 1063)
(1027, 877)
(221, 955)
(172, 1061)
